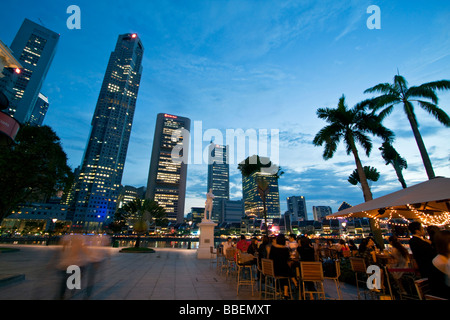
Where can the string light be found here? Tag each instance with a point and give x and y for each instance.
(441, 220)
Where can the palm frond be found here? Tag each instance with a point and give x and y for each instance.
(385, 88)
(422, 92)
(437, 112)
(437, 85)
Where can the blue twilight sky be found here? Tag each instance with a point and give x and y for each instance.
(236, 64)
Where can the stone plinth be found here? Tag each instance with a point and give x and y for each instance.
(206, 239)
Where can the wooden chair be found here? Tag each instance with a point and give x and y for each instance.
(241, 281)
(431, 297)
(337, 265)
(359, 268)
(422, 287)
(271, 281)
(312, 272)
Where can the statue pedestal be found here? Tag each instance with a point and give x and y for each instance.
(206, 239)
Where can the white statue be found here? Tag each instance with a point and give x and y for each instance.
(209, 204)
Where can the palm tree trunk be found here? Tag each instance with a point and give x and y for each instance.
(378, 237)
(399, 173)
(423, 151)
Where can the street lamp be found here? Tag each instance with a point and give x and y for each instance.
(344, 230)
(189, 243)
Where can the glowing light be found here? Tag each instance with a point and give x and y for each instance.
(170, 116)
(18, 71)
(134, 35)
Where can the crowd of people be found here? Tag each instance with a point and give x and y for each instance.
(430, 253)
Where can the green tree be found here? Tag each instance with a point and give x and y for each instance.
(398, 93)
(371, 173)
(392, 157)
(352, 126)
(141, 213)
(254, 164)
(33, 168)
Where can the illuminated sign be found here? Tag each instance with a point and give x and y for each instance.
(170, 116)
(8, 125)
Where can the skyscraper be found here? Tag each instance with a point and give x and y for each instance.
(34, 47)
(104, 158)
(167, 178)
(218, 178)
(253, 204)
(297, 208)
(39, 111)
(320, 212)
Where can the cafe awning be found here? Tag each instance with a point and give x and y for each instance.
(428, 202)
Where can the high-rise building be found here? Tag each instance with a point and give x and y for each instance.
(102, 167)
(297, 208)
(167, 178)
(39, 111)
(253, 204)
(34, 47)
(320, 212)
(232, 211)
(218, 178)
(129, 193)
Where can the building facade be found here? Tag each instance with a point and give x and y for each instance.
(253, 204)
(39, 111)
(101, 171)
(232, 211)
(297, 208)
(218, 178)
(320, 212)
(167, 178)
(34, 46)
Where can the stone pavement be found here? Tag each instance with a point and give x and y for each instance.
(167, 274)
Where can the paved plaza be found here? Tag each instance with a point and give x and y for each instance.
(166, 274)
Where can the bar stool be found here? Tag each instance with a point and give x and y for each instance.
(312, 272)
(241, 281)
(271, 280)
(337, 265)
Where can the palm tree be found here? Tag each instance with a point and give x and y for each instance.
(391, 156)
(399, 93)
(351, 125)
(371, 173)
(251, 165)
(141, 213)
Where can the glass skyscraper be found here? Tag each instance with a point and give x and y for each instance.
(218, 178)
(167, 178)
(253, 204)
(297, 207)
(101, 171)
(34, 47)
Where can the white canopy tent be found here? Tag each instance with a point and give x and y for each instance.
(428, 202)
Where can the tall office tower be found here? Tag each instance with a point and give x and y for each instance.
(253, 204)
(102, 167)
(167, 178)
(320, 212)
(218, 178)
(39, 111)
(297, 208)
(34, 47)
